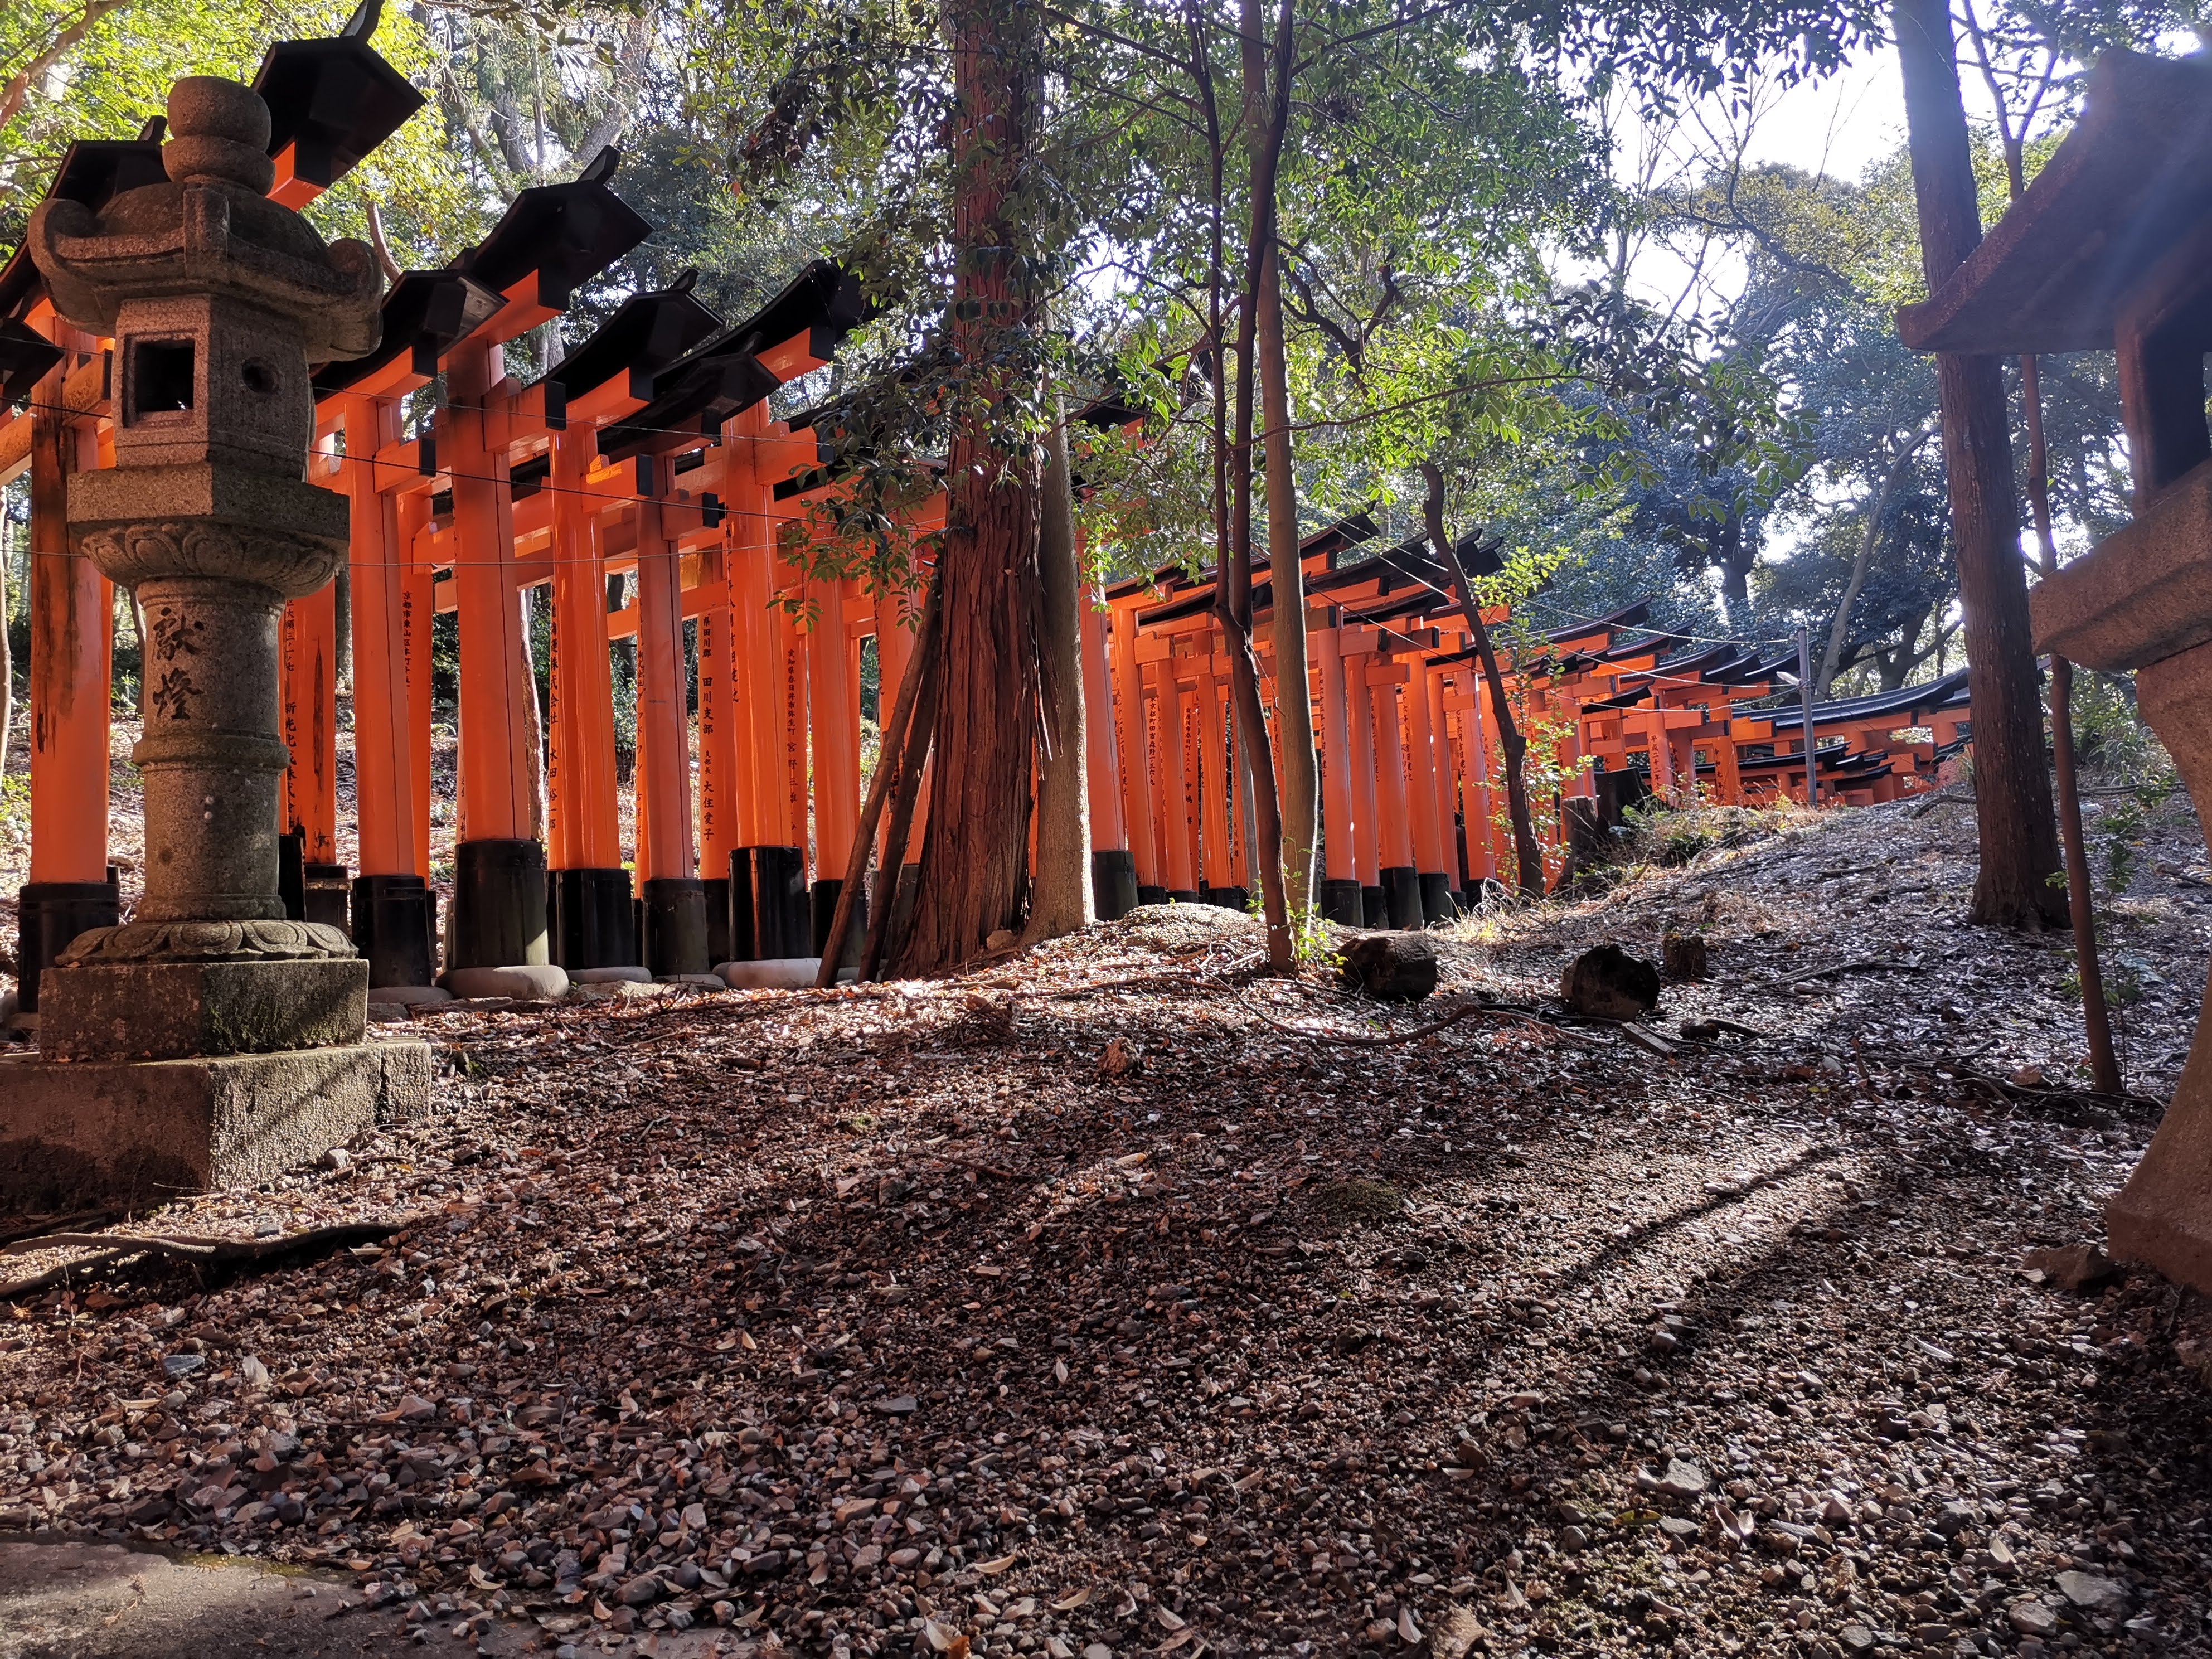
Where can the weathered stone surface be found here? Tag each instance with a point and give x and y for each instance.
(410, 996)
(772, 974)
(1605, 982)
(170, 1009)
(2163, 1216)
(2073, 1267)
(1395, 967)
(138, 1133)
(530, 979)
(610, 976)
(2143, 595)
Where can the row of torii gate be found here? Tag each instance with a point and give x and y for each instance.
(649, 452)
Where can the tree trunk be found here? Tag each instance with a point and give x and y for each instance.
(1527, 857)
(342, 601)
(1300, 801)
(2012, 789)
(1061, 903)
(974, 876)
(1831, 659)
(1232, 591)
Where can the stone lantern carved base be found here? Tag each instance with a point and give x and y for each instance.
(138, 1133)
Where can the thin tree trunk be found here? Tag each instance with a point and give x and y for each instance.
(1061, 902)
(1832, 657)
(890, 746)
(1300, 802)
(2012, 789)
(1232, 591)
(1527, 857)
(928, 675)
(976, 848)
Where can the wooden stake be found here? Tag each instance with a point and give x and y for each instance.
(890, 742)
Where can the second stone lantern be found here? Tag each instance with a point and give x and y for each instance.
(210, 1040)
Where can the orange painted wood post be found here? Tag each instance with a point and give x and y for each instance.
(392, 922)
(834, 713)
(1394, 819)
(1113, 860)
(499, 876)
(792, 654)
(1366, 844)
(1209, 777)
(675, 940)
(419, 603)
(384, 778)
(308, 652)
(592, 922)
(1427, 785)
(1447, 781)
(1340, 900)
(72, 608)
(1474, 778)
(1134, 758)
(1179, 836)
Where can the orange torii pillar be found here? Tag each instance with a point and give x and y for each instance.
(1430, 788)
(71, 889)
(1447, 774)
(1401, 884)
(1178, 840)
(728, 803)
(834, 709)
(1359, 750)
(1134, 752)
(1340, 900)
(1113, 867)
(675, 899)
(592, 922)
(1475, 781)
(394, 920)
(1211, 776)
(769, 914)
(309, 875)
(499, 865)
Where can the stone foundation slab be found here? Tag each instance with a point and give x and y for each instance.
(81, 1134)
(175, 1010)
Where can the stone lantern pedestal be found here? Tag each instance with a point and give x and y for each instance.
(210, 1041)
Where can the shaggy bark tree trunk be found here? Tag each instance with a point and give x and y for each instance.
(1062, 901)
(974, 859)
(2012, 786)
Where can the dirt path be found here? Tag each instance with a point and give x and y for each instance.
(899, 1321)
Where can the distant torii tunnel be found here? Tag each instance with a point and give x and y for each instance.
(642, 481)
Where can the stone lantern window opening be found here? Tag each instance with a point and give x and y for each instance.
(161, 382)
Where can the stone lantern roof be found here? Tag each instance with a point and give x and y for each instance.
(2132, 178)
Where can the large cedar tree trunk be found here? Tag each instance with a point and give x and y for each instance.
(2012, 787)
(973, 875)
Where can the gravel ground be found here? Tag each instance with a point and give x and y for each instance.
(1074, 1308)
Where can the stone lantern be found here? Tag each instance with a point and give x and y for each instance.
(210, 1039)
